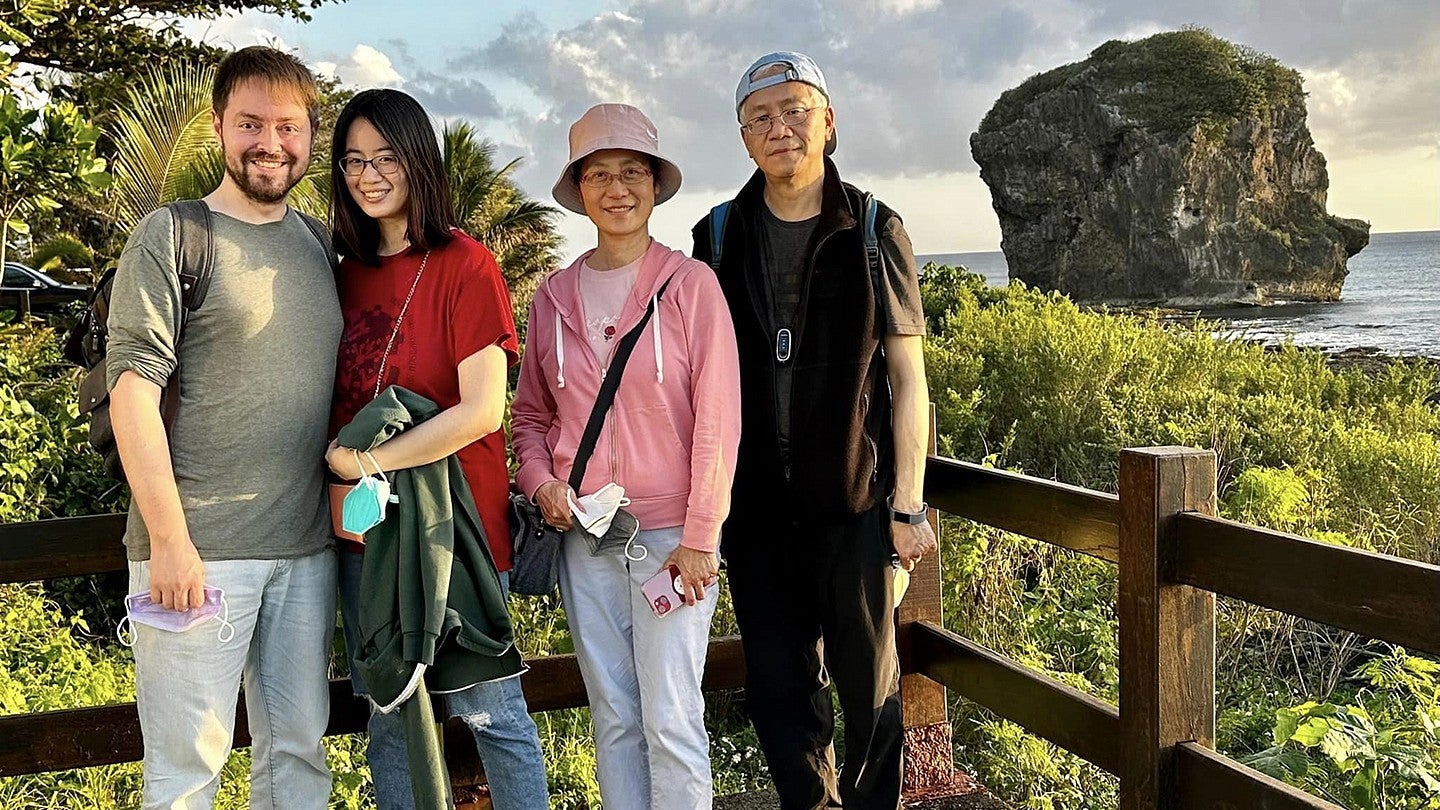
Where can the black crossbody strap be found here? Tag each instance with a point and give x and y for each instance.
(607, 393)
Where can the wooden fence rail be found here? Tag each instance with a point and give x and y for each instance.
(1173, 555)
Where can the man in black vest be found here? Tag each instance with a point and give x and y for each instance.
(829, 480)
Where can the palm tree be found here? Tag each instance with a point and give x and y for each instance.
(165, 147)
(518, 230)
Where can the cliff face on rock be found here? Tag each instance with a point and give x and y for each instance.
(1175, 169)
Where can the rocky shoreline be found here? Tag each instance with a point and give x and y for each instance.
(1370, 359)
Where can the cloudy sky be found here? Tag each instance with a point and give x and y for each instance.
(910, 80)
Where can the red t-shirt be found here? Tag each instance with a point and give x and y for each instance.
(460, 307)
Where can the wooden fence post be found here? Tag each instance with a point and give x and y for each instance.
(467, 773)
(929, 761)
(1167, 631)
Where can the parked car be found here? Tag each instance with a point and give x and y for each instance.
(46, 294)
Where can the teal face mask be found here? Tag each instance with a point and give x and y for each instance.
(364, 506)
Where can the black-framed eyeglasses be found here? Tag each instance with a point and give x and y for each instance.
(793, 117)
(384, 164)
(630, 176)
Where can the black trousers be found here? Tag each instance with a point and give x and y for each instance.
(814, 603)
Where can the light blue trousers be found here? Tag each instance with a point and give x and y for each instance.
(186, 687)
(642, 676)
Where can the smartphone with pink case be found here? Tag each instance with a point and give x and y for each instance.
(662, 591)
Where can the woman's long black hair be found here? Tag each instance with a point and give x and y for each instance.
(403, 123)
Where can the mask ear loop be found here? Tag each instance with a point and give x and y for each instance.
(360, 464)
(125, 631)
(381, 474)
(629, 544)
(227, 630)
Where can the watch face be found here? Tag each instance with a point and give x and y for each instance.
(904, 517)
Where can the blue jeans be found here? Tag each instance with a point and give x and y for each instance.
(185, 686)
(495, 711)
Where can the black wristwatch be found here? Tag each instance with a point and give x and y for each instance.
(911, 518)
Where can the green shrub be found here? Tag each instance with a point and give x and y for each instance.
(1168, 82)
(1378, 747)
(1029, 381)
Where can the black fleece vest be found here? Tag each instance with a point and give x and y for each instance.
(841, 457)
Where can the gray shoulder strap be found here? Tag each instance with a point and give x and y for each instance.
(322, 235)
(194, 251)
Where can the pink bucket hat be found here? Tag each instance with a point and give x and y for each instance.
(613, 126)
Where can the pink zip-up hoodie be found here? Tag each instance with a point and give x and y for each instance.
(672, 435)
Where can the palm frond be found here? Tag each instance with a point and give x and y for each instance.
(164, 141)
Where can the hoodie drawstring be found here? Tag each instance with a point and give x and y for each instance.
(655, 338)
(559, 354)
(659, 355)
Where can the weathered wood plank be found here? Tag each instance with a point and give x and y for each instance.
(1071, 517)
(1084, 725)
(62, 547)
(1211, 781)
(1375, 595)
(1167, 631)
(104, 735)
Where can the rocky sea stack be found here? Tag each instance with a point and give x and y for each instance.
(1175, 169)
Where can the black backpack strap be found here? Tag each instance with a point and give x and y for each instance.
(718, 215)
(322, 235)
(607, 392)
(194, 253)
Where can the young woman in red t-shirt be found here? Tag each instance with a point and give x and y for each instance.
(395, 227)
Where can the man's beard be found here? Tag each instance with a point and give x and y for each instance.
(265, 189)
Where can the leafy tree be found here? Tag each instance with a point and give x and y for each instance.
(94, 37)
(16, 19)
(43, 153)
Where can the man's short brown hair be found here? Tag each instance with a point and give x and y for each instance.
(275, 68)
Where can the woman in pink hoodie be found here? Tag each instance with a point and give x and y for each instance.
(669, 441)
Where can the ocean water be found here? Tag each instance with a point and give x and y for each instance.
(1391, 300)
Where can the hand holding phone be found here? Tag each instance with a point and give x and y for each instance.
(662, 591)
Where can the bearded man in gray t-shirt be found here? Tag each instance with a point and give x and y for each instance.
(227, 507)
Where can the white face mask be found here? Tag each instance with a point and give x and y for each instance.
(596, 514)
(596, 510)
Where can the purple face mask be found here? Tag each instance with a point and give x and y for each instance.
(139, 609)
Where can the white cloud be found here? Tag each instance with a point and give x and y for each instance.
(910, 80)
(1329, 88)
(235, 31)
(904, 6)
(368, 67)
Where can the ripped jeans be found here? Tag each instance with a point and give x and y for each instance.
(496, 713)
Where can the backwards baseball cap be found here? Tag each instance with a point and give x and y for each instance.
(798, 68)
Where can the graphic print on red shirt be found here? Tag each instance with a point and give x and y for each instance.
(460, 306)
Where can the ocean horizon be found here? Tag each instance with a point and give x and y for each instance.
(1390, 302)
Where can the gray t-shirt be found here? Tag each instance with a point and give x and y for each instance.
(785, 247)
(257, 368)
